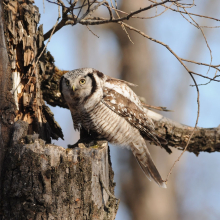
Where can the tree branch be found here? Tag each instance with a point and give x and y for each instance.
(61, 24)
(73, 20)
(177, 135)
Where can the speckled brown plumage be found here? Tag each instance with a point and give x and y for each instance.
(110, 108)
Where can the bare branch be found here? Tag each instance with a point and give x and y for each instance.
(44, 47)
(203, 64)
(203, 36)
(202, 16)
(81, 10)
(147, 8)
(90, 11)
(92, 32)
(123, 27)
(155, 15)
(61, 24)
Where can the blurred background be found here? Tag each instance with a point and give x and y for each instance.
(194, 186)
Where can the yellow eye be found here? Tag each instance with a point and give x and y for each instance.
(67, 82)
(82, 81)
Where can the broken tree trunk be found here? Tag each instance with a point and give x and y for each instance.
(40, 180)
(50, 182)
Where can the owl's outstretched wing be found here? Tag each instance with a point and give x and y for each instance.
(123, 101)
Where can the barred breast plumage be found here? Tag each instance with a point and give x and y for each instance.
(109, 107)
(109, 125)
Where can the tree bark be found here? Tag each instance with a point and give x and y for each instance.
(50, 182)
(40, 180)
(7, 103)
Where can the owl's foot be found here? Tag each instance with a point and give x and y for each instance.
(88, 143)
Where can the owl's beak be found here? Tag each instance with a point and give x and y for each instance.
(73, 88)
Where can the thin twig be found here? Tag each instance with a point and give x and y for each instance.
(105, 20)
(212, 79)
(210, 26)
(186, 18)
(92, 31)
(203, 64)
(91, 11)
(202, 16)
(43, 49)
(183, 5)
(110, 11)
(80, 11)
(122, 26)
(203, 36)
(148, 7)
(155, 15)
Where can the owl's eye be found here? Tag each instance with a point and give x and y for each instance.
(67, 82)
(82, 81)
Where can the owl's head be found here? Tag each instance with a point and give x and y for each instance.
(78, 85)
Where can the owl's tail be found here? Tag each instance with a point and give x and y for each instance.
(147, 165)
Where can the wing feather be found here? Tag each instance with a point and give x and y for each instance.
(130, 108)
(114, 80)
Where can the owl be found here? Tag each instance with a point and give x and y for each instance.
(109, 108)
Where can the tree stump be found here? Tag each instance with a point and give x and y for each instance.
(44, 181)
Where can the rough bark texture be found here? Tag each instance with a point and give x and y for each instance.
(25, 43)
(203, 140)
(50, 84)
(50, 182)
(7, 103)
(40, 180)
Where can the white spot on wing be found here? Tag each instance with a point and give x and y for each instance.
(113, 101)
(124, 90)
(153, 115)
(121, 105)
